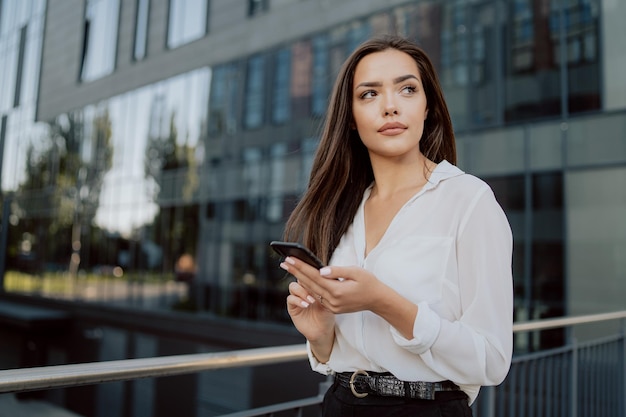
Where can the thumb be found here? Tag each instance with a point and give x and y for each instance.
(336, 272)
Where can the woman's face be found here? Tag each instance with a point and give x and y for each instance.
(389, 104)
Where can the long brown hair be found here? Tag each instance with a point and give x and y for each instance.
(341, 168)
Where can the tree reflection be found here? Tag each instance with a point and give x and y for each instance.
(171, 169)
(60, 193)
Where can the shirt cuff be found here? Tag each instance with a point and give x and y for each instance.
(322, 368)
(425, 331)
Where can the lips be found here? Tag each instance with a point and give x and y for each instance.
(391, 129)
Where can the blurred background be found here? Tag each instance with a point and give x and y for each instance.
(150, 150)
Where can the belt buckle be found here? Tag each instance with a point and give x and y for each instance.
(352, 378)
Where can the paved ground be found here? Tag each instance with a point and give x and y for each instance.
(11, 407)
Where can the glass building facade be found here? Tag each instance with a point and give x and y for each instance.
(190, 177)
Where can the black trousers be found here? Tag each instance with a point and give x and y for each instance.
(340, 402)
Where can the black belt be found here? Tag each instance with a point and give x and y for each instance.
(362, 383)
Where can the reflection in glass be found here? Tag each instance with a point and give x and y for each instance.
(187, 21)
(301, 78)
(321, 76)
(99, 39)
(281, 106)
(223, 104)
(255, 92)
(141, 29)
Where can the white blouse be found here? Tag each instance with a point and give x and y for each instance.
(449, 251)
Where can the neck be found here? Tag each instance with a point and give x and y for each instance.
(392, 177)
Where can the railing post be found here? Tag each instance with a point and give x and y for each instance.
(574, 379)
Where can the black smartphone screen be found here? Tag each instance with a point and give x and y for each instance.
(297, 251)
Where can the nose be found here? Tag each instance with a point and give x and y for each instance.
(390, 106)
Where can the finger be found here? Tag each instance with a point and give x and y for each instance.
(336, 272)
(299, 291)
(296, 302)
(305, 273)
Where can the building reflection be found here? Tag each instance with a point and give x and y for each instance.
(207, 165)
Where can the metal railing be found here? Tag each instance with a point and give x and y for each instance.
(576, 380)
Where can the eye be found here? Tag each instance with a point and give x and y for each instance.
(409, 89)
(368, 94)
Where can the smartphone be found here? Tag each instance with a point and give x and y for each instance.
(297, 251)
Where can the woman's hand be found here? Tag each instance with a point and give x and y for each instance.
(348, 289)
(343, 289)
(306, 309)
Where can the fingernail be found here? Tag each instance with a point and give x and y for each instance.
(304, 304)
(290, 261)
(284, 266)
(311, 299)
(325, 271)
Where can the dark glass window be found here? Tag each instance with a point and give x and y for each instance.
(256, 7)
(141, 29)
(188, 21)
(465, 67)
(548, 274)
(223, 114)
(301, 78)
(532, 78)
(281, 105)
(99, 39)
(255, 92)
(537, 32)
(321, 76)
(356, 35)
(581, 20)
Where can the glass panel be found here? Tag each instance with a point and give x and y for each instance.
(596, 231)
(548, 273)
(301, 78)
(358, 33)
(223, 105)
(9, 48)
(532, 76)
(281, 105)
(278, 154)
(582, 38)
(255, 92)
(30, 76)
(8, 21)
(100, 39)
(187, 21)
(256, 7)
(321, 76)
(141, 29)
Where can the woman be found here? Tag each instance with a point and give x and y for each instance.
(414, 311)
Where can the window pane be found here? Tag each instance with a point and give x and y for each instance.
(281, 103)
(582, 37)
(321, 76)
(141, 29)
(223, 102)
(532, 78)
(301, 63)
(255, 93)
(187, 21)
(100, 39)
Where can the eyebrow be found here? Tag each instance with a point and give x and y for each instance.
(396, 80)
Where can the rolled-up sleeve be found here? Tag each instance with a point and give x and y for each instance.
(476, 348)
